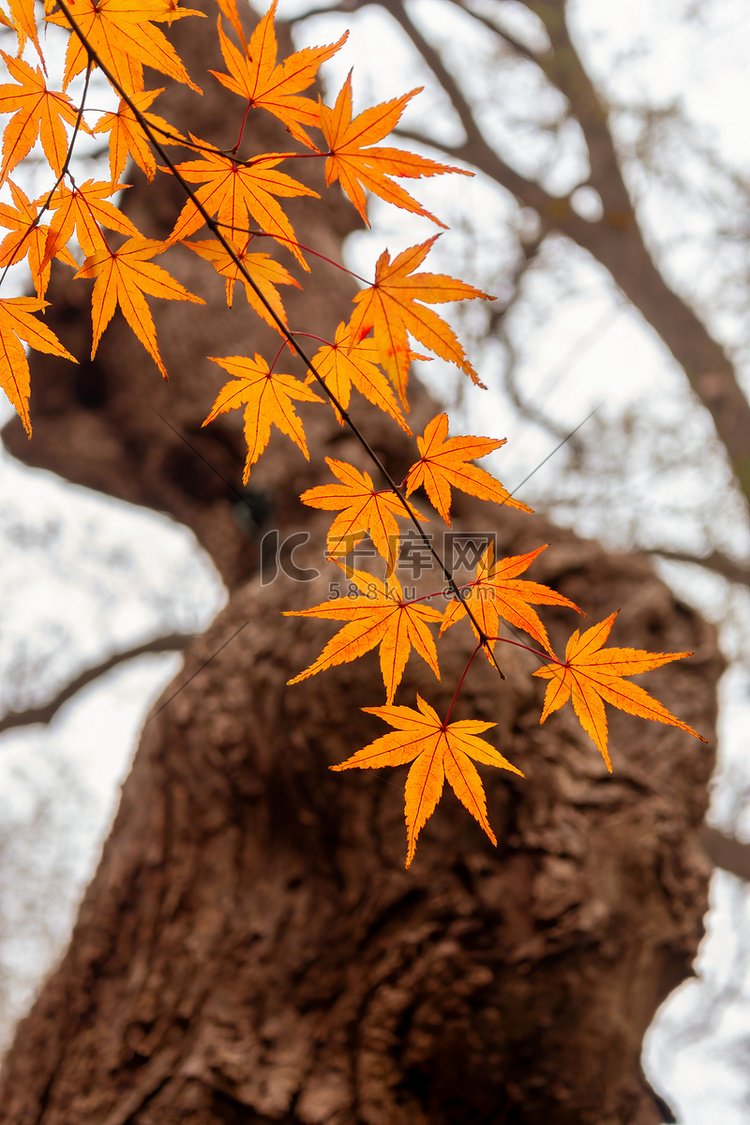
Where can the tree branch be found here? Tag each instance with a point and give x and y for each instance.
(475, 149)
(515, 45)
(616, 240)
(716, 561)
(174, 642)
(726, 852)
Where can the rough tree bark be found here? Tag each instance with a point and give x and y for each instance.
(251, 949)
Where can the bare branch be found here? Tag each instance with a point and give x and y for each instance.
(616, 241)
(565, 70)
(515, 45)
(174, 642)
(344, 6)
(475, 149)
(716, 561)
(726, 852)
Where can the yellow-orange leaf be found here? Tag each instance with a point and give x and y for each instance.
(128, 138)
(364, 510)
(265, 272)
(228, 8)
(497, 592)
(82, 212)
(233, 190)
(378, 616)
(125, 37)
(440, 751)
(592, 675)
(24, 25)
(389, 306)
(27, 237)
(254, 75)
(17, 323)
(267, 397)
(123, 276)
(446, 462)
(37, 112)
(348, 361)
(357, 161)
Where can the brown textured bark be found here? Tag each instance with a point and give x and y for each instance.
(251, 949)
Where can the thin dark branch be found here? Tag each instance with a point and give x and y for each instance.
(174, 642)
(198, 670)
(559, 445)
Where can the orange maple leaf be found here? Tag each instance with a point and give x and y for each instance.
(83, 211)
(365, 510)
(497, 592)
(125, 37)
(255, 76)
(356, 161)
(123, 276)
(128, 138)
(267, 397)
(233, 189)
(389, 306)
(37, 112)
(447, 461)
(228, 8)
(27, 237)
(378, 616)
(440, 751)
(265, 272)
(24, 24)
(593, 675)
(349, 361)
(18, 323)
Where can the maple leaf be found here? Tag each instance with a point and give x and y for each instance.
(234, 189)
(265, 272)
(356, 161)
(122, 277)
(268, 397)
(228, 8)
(348, 361)
(124, 35)
(255, 76)
(83, 211)
(24, 24)
(27, 237)
(364, 510)
(128, 138)
(497, 592)
(17, 323)
(446, 461)
(379, 616)
(592, 675)
(440, 751)
(37, 112)
(389, 306)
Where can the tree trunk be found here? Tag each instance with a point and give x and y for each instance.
(251, 949)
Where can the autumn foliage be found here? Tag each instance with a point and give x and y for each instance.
(236, 204)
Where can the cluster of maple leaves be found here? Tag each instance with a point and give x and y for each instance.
(238, 201)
